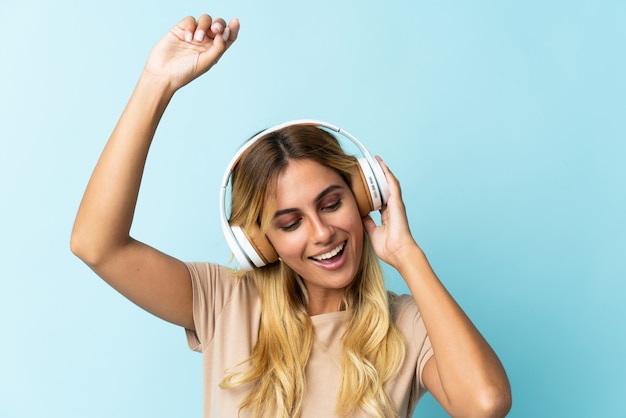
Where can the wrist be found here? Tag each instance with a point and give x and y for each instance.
(155, 84)
(406, 257)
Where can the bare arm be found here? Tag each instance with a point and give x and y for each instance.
(101, 235)
(464, 374)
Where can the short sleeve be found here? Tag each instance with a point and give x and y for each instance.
(409, 320)
(212, 287)
(425, 354)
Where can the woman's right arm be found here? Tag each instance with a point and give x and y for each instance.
(101, 237)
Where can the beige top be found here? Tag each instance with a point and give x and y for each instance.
(226, 312)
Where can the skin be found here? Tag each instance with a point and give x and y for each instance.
(464, 375)
(315, 213)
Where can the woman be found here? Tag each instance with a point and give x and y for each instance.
(315, 333)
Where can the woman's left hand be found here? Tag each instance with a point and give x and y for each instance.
(464, 375)
(393, 237)
(190, 49)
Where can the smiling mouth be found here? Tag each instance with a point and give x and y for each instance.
(332, 253)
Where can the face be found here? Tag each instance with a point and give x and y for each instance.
(316, 227)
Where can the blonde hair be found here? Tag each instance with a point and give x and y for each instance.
(373, 348)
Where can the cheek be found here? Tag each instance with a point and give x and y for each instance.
(359, 234)
(286, 245)
(354, 223)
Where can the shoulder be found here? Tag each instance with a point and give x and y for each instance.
(218, 280)
(225, 304)
(205, 270)
(408, 319)
(404, 311)
(401, 305)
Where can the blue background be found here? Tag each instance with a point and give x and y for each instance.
(505, 122)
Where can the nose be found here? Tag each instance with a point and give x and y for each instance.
(322, 232)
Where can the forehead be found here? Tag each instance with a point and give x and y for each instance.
(302, 181)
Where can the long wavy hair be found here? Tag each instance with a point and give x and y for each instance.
(373, 348)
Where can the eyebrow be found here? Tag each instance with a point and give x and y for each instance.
(319, 197)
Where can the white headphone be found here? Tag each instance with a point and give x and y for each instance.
(251, 248)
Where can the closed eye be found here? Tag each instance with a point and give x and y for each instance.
(291, 226)
(333, 206)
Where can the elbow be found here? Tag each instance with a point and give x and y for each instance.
(95, 250)
(483, 402)
(494, 402)
(78, 246)
(85, 249)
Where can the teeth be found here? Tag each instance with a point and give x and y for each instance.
(330, 254)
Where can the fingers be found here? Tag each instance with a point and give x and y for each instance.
(194, 29)
(386, 169)
(392, 181)
(226, 32)
(233, 29)
(219, 28)
(368, 224)
(205, 27)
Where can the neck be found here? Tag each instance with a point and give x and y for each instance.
(321, 300)
(318, 306)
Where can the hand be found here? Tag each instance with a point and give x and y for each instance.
(190, 49)
(393, 237)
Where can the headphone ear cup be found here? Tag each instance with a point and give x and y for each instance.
(366, 189)
(261, 245)
(361, 192)
(254, 246)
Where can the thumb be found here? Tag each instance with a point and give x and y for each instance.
(368, 224)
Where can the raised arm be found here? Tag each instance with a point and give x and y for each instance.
(464, 374)
(101, 236)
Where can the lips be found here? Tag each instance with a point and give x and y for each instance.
(330, 254)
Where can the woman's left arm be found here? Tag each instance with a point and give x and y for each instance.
(464, 374)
